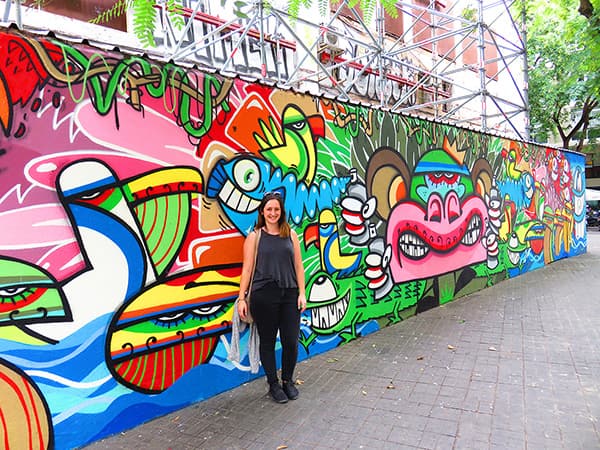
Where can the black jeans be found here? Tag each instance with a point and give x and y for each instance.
(276, 309)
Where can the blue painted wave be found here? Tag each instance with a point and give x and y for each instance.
(85, 401)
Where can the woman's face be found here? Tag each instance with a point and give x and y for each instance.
(272, 211)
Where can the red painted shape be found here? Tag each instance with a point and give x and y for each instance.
(22, 66)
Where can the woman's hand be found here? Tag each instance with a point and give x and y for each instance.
(242, 307)
(302, 302)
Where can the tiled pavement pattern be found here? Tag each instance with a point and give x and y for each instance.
(516, 366)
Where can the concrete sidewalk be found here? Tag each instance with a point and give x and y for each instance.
(516, 366)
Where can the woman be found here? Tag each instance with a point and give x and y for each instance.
(278, 296)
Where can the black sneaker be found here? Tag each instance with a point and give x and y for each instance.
(290, 390)
(277, 393)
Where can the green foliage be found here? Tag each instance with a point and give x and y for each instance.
(117, 10)
(390, 7)
(323, 5)
(39, 4)
(469, 13)
(295, 5)
(144, 21)
(144, 17)
(175, 13)
(145, 12)
(366, 6)
(564, 66)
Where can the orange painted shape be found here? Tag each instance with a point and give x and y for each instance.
(227, 250)
(5, 109)
(246, 122)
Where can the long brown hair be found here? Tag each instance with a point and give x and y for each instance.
(284, 226)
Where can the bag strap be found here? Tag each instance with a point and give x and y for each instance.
(258, 233)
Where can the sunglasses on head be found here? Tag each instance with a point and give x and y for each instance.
(272, 194)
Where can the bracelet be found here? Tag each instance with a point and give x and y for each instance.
(241, 299)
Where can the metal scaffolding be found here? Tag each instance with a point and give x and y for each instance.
(319, 58)
(351, 59)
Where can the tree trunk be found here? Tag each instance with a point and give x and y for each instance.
(586, 8)
(582, 124)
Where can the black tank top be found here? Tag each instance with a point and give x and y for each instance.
(275, 262)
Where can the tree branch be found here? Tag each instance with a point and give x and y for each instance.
(586, 8)
(582, 124)
(556, 120)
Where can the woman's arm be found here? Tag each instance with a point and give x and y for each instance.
(299, 271)
(247, 268)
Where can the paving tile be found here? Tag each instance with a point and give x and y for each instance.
(452, 392)
(391, 406)
(542, 432)
(376, 445)
(462, 443)
(507, 438)
(383, 418)
(346, 424)
(474, 426)
(441, 426)
(405, 436)
(436, 441)
(445, 413)
(375, 430)
(413, 422)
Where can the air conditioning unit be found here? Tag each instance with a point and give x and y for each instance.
(330, 42)
(330, 38)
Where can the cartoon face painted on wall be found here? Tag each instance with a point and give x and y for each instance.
(436, 216)
(239, 186)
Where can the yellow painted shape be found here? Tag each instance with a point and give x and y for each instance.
(163, 295)
(166, 176)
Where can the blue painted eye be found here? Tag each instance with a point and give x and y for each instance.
(246, 174)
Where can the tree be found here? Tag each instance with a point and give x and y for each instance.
(563, 50)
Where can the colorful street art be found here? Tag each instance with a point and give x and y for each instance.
(128, 186)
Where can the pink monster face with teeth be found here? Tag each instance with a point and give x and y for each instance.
(437, 216)
(444, 236)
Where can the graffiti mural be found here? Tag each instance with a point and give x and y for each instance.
(128, 187)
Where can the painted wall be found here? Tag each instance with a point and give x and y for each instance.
(127, 188)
